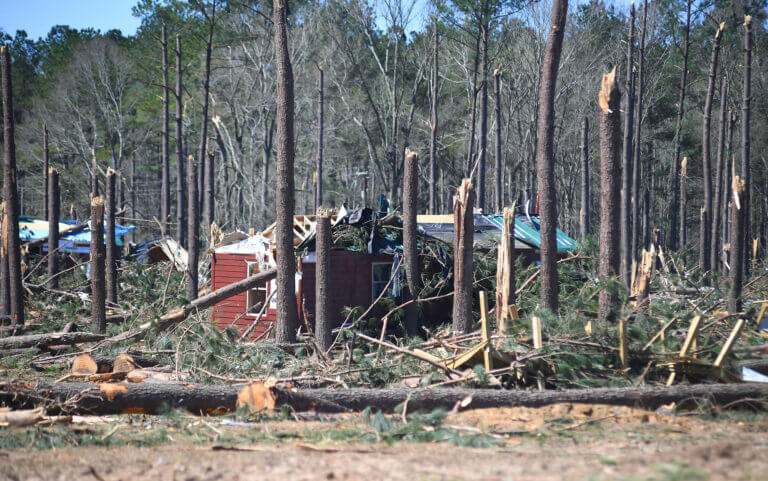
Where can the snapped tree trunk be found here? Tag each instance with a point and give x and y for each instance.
(584, 212)
(165, 195)
(609, 101)
(740, 184)
(98, 298)
(323, 302)
(717, 208)
(626, 172)
(677, 211)
(319, 166)
(193, 229)
(433, 120)
(181, 216)
(705, 228)
(287, 312)
(109, 238)
(410, 238)
(545, 157)
(498, 199)
(11, 241)
(463, 270)
(505, 268)
(53, 228)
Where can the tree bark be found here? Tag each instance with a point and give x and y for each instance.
(483, 148)
(49, 339)
(610, 173)
(638, 165)
(705, 229)
(433, 121)
(717, 208)
(545, 157)
(584, 212)
(410, 236)
(94, 175)
(12, 243)
(626, 172)
(181, 218)
(320, 120)
(165, 195)
(193, 229)
(87, 398)
(201, 156)
(677, 213)
(109, 239)
(741, 184)
(287, 313)
(498, 200)
(53, 228)
(5, 277)
(98, 298)
(323, 302)
(46, 165)
(210, 191)
(463, 269)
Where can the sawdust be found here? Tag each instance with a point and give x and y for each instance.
(518, 419)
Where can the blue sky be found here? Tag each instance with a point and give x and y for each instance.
(38, 16)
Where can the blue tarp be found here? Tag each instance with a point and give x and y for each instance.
(78, 243)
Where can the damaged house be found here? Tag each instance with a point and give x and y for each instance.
(363, 261)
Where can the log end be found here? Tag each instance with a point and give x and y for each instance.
(84, 364)
(257, 397)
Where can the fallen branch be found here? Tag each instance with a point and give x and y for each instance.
(199, 304)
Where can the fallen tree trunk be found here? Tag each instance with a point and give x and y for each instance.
(79, 397)
(199, 304)
(52, 339)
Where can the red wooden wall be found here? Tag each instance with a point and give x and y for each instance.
(229, 268)
(351, 274)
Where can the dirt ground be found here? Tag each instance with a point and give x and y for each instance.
(568, 442)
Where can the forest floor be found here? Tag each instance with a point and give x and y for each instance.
(555, 442)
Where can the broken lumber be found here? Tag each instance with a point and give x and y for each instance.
(52, 339)
(199, 304)
(112, 398)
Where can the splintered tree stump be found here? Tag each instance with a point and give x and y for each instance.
(609, 100)
(463, 239)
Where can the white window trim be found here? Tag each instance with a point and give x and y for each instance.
(249, 292)
(374, 295)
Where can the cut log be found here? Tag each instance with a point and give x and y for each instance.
(111, 398)
(199, 304)
(52, 339)
(109, 363)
